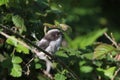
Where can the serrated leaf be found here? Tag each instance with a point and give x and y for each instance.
(16, 59)
(59, 76)
(19, 23)
(37, 66)
(16, 71)
(11, 41)
(110, 72)
(102, 50)
(2, 2)
(20, 48)
(86, 69)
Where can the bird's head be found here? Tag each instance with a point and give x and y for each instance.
(53, 34)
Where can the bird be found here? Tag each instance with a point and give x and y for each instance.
(51, 43)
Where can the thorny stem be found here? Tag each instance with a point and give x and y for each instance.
(52, 57)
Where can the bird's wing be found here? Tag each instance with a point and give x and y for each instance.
(43, 43)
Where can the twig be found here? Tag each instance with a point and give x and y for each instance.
(14, 39)
(116, 72)
(111, 39)
(30, 61)
(28, 69)
(52, 57)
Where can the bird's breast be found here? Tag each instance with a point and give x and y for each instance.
(54, 46)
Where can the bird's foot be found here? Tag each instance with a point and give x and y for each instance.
(48, 74)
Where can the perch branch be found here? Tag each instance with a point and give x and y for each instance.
(52, 57)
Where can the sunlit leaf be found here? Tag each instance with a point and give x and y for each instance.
(16, 59)
(21, 48)
(11, 41)
(19, 23)
(110, 72)
(2, 2)
(86, 69)
(16, 71)
(102, 50)
(107, 72)
(59, 76)
(88, 39)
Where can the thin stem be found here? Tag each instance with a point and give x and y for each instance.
(112, 40)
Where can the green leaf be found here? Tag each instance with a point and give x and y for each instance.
(20, 48)
(36, 59)
(107, 72)
(2, 58)
(86, 69)
(88, 56)
(110, 72)
(16, 71)
(102, 50)
(37, 66)
(88, 39)
(11, 41)
(7, 63)
(2, 2)
(16, 59)
(19, 23)
(59, 76)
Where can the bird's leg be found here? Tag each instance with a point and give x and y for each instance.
(48, 68)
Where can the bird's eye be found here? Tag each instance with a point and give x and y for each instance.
(58, 33)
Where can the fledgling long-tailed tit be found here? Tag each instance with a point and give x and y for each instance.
(50, 43)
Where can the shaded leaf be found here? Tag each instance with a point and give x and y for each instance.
(88, 56)
(19, 23)
(36, 59)
(16, 71)
(86, 69)
(37, 66)
(2, 58)
(102, 50)
(7, 63)
(59, 76)
(16, 59)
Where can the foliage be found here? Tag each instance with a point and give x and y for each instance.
(89, 53)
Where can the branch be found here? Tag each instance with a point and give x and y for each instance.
(51, 56)
(111, 39)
